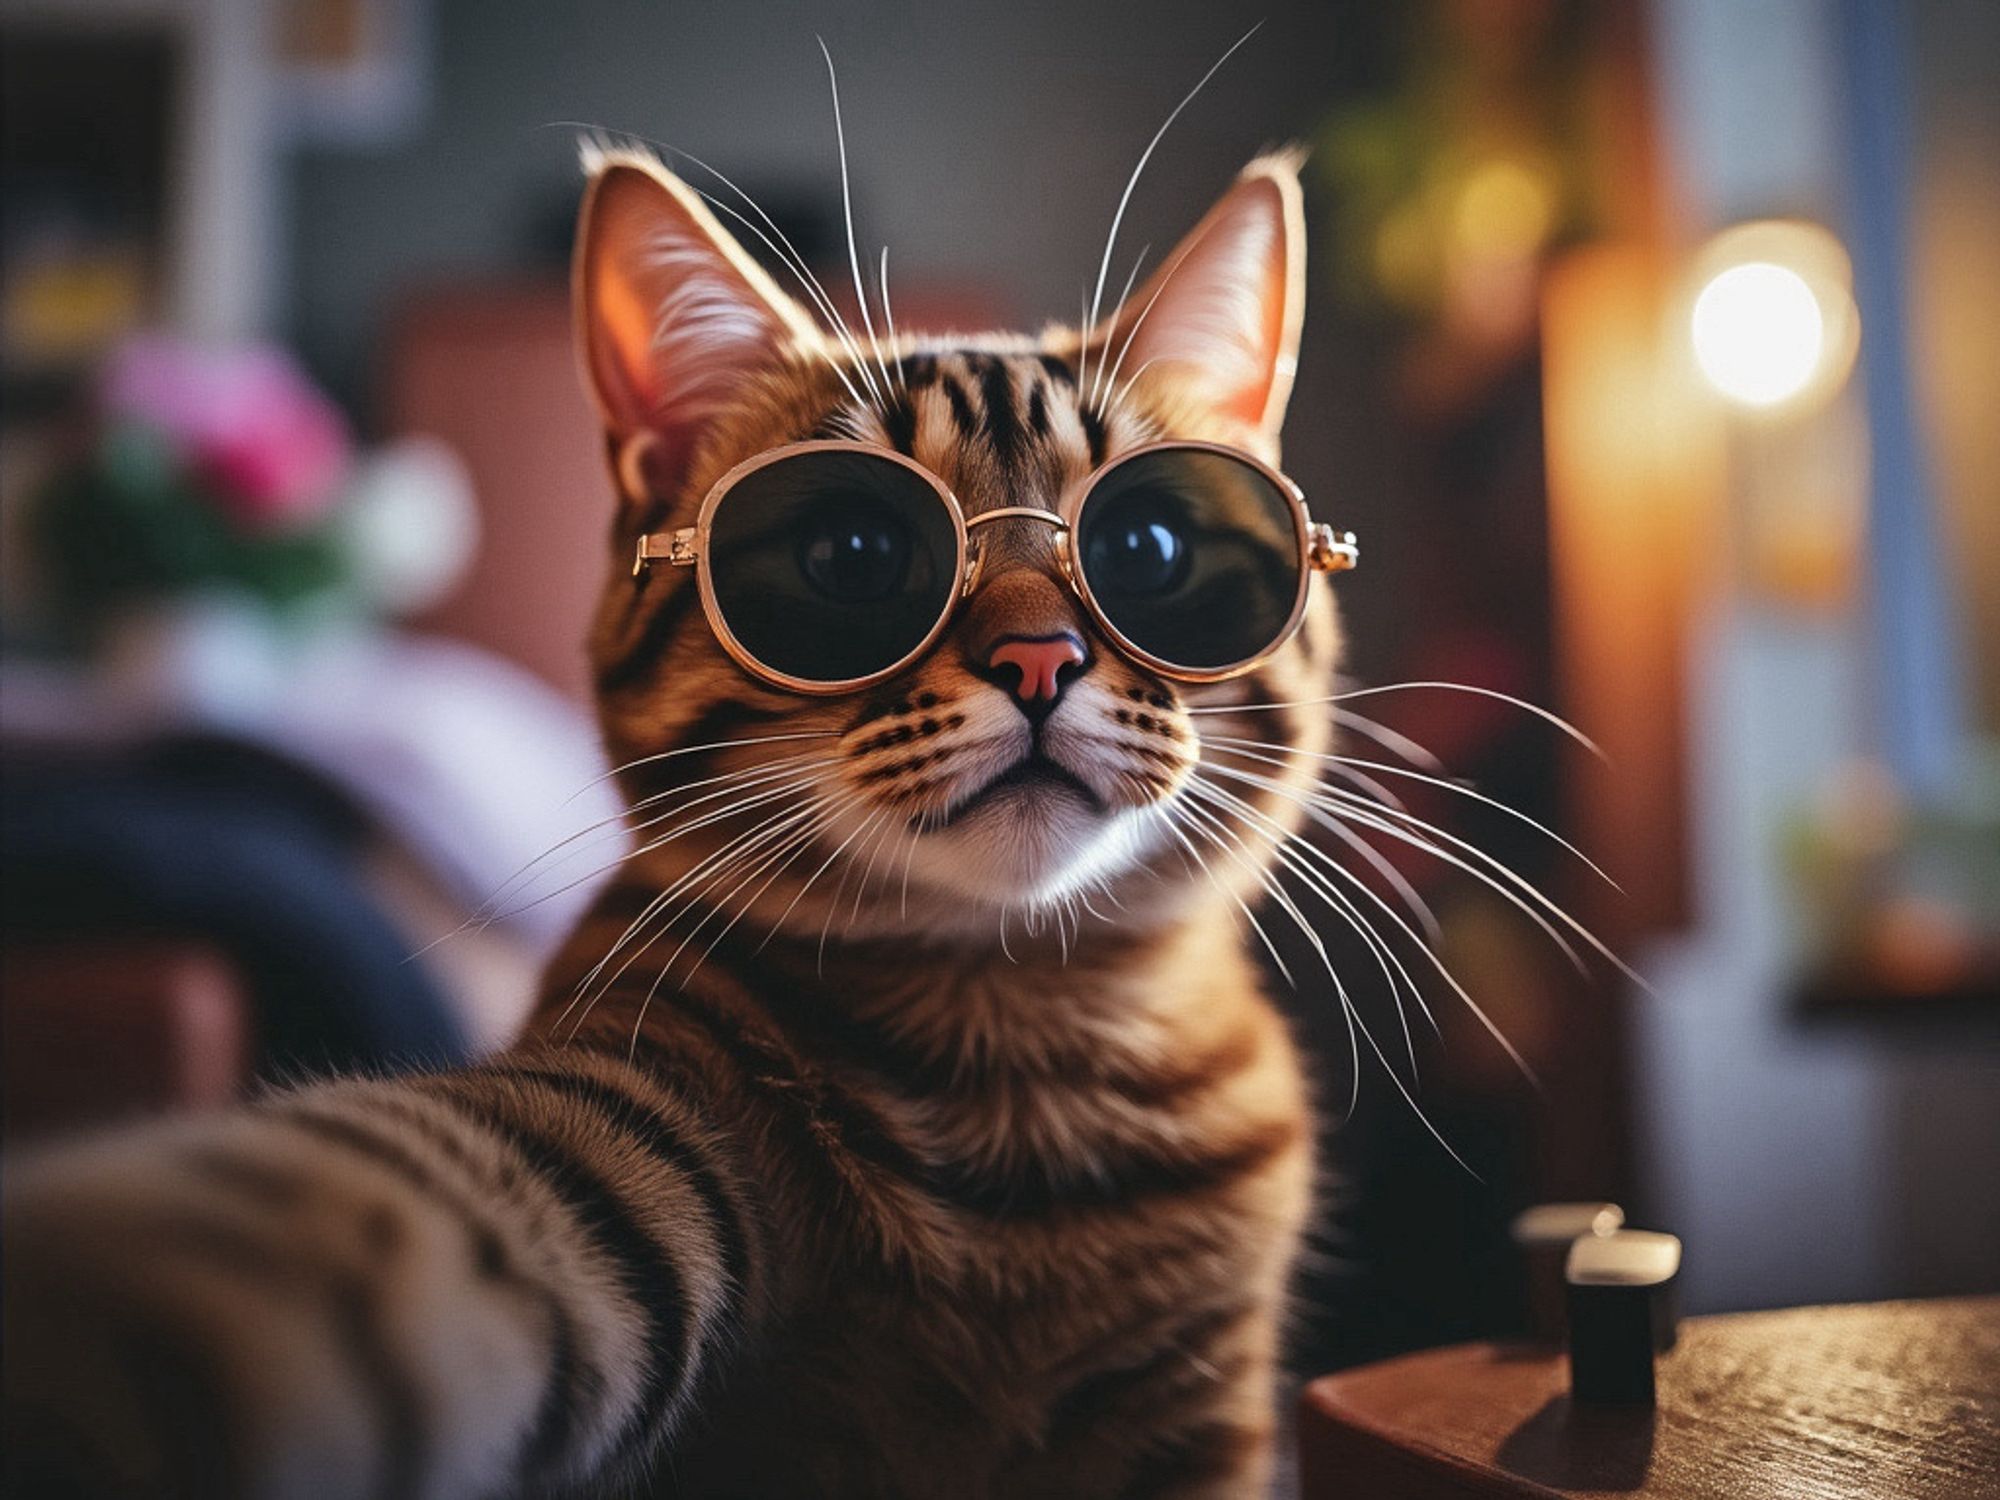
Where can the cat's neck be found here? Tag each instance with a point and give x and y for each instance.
(1094, 984)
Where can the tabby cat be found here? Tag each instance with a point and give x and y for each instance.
(906, 1118)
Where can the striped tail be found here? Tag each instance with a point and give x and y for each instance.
(510, 1279)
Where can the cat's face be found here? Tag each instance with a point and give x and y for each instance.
(1024, 760)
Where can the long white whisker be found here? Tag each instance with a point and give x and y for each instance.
(819, 963)
(663, 840)
(1392, 740)
(1282, 843)
(730, 849)
(1327, 819)
(847, 206)
(1097, 385)
(889, 317)
(827, 309)
(1118, 396)
(1248, 748)
(1325, 805)
(721, 856)
(789, 254)
(1248, 916)
(1555, 719)
(794, 838)
(1404, 1089)
(647, 760)
(1118, 218)
(1263, 877)
(1110, 383)
(787, 852)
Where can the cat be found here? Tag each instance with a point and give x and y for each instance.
(906, 1118)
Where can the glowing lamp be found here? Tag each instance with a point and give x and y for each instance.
(1773, 323)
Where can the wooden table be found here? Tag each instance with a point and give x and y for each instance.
(1892, 1401)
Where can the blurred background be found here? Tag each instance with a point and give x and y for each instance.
(1650, 349)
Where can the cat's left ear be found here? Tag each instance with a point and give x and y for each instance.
(673, 318)
(1220, 317)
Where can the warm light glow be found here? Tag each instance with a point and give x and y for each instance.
(1504, 210)
(1773, 322)
(1758, 333)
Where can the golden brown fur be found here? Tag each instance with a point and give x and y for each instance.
(898, 1158)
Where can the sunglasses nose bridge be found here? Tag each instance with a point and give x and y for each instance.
(986, 549)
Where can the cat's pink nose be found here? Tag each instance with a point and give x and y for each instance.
(1040, 660)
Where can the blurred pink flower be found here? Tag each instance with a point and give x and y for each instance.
(245, 420)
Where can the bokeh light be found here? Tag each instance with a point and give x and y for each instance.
(1773, 324)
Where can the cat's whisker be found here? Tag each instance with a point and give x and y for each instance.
(819, 963)
(889, 317)
(827, 310)
(916, 838)
(1379, 862)
(1327, 804)
(768, 794)
(1342, 996)
(783, 857)
(861, 886)
(1283, 844)
(1263, 876)
(1177, 815)
(1349, 695)
(1083, 340)
(704, 877)
(675, 754)
(793, 838)
(1249, 748)
(788, 255)
(786, 854)
(1110, 383)
(771, 826)
(587, 986)
(1119, 396)
(1125, 198)
(1404, 1089)
(783, 248)
(1099, 384)
(1392, 740)
(847, 207)
(737, 780)
(1444, 972)
(1535, 897)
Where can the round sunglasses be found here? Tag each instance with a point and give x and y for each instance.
(828, 566)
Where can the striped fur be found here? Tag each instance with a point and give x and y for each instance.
(917, 1151)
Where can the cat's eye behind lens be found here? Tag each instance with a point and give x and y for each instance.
(1194, 555)
(830, 566)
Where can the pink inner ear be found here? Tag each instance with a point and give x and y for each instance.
(673, 316)
(1222, 311)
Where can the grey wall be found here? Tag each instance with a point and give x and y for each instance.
(988, 140)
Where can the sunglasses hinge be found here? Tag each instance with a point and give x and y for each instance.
(1331, 551)
(675, 548)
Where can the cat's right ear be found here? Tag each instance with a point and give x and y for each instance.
(672, 317)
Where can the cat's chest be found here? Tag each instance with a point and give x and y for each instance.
(1054, 1207)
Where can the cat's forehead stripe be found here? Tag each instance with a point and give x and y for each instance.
(1013, 408)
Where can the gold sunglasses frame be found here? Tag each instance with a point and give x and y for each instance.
(1321, 549)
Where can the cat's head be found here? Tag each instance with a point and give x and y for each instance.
(1024, 758)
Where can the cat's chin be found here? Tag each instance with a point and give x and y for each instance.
(1031, 844)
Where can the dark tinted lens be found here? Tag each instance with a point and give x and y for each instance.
(831, 566)
(1192, 555)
